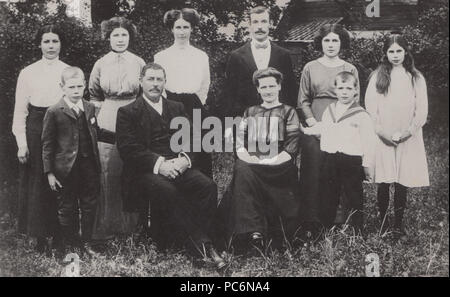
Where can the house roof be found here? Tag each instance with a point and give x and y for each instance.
(306, 31)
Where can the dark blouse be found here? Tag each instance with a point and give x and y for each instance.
(262, 126)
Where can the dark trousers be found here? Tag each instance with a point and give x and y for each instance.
(182, 208)
(80, 192)
(341, 175)
(399, 203)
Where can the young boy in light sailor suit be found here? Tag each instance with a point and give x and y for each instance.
(347, 142)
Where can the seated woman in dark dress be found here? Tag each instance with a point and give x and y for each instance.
(264, 202)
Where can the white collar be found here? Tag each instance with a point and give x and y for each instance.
(254, 42)
(49, 62)
(79, 104)
(159, 103)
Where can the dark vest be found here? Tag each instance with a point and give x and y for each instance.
(84, 137)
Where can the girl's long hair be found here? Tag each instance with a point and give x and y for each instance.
(383, 71)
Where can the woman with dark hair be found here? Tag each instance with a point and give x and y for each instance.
(114, 82)
(264, 197)
(397, 100)
(187, 69)
(38, 87)
(315, 94)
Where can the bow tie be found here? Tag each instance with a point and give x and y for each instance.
(263, 45)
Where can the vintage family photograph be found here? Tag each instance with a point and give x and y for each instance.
(224, 138)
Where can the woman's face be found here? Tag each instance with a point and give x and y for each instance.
(269, 89)
(396, 54)
(119, 39)
(331, 45)
(50, 45)
(181, 31)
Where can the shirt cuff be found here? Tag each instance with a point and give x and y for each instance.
(158, 164)
(311, 121)
(187, 157)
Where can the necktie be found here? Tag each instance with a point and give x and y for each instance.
(76, 110)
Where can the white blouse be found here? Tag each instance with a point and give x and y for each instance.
(187, 70)
(39, 85)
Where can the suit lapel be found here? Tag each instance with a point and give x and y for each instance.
(273, 55)
(66, 109)
(87, 111)
(248, 57)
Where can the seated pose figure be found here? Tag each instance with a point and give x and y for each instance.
(264, 202)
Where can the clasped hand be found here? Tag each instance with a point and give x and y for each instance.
(174, 167)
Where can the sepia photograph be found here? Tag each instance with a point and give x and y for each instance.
(226, 139)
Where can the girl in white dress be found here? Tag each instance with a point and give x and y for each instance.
(397, 101)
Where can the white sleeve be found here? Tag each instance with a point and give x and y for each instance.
(421, 106)
(21, 109)
(158, 164)
(368, 140)
(206, 80)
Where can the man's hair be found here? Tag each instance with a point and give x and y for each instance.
(345, 76)
(71, 72)
(257, 10)
(268, 72)
(153, 66)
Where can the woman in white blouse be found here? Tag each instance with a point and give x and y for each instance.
(187, 69)
(38, 87)
(114, 82)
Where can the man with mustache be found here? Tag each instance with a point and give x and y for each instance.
(183, 200)
(258, 53)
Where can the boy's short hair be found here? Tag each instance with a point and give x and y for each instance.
(344, 76)
(71, 72)
(153, 66)
(268, 72)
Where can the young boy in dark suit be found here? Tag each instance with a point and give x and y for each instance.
(70, 157)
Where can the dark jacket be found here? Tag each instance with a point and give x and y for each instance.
(240, 92)
(60, 137)
(142, 137)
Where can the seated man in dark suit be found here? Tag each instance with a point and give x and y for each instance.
(179, 195)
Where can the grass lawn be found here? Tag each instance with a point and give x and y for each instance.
(425, 253)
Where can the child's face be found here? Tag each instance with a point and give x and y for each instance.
(345, 91)
(269, 89)
(396, 54)
(74, 88)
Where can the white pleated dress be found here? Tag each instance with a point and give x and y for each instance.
(404, 107)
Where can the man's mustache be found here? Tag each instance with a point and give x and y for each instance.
(260, 31)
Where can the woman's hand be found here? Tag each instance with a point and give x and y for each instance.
(387, 139)
(23, 154)
(404, 136)
(53, 182)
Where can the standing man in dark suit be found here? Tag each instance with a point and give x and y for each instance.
(258, 53)
(179, 196)
(70, 158)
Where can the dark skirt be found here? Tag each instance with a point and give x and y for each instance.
(191, 102)
(264, 199)
(37, 203)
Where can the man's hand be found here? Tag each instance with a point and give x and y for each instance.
(169, 169)
(55, 185)
(23, 154)
(181, 164)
